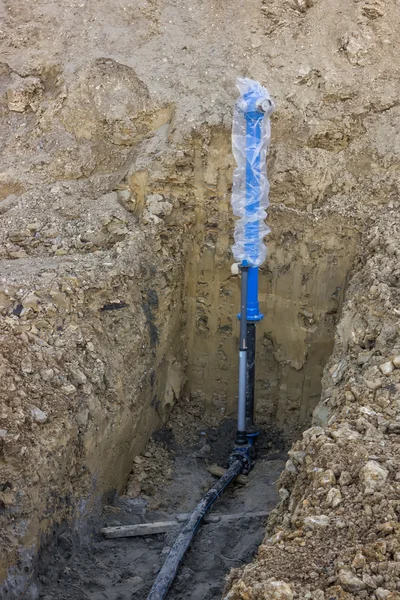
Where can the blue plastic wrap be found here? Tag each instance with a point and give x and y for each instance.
(250, 140)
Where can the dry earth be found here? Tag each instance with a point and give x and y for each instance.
(116, 295)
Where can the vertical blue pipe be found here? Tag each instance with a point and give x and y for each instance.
(253, 173)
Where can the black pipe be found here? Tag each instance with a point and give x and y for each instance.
(169, 569)
(250, 377)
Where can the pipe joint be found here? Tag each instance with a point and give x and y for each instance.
(244, 454)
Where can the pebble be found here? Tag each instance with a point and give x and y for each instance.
(373, 475)
(334, 497)
(316, 521)
(350, 582)
(38, 415)
(387, 367)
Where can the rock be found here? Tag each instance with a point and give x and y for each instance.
(47, 374)
(388, 527)
(38, 415)
(345, 478)
(289, 466)
(26, 365)
(321, 414)
(77, 376)
(327, 478)
(297, 455)
(381, 594)
(334, 497)
(68, 389)
(359, 561)
(284, 494)
(373, 475)
(31, 301)
(387, 367)
(3, 433)
(350, 582)
(311, 432)
(337, 371)
(274, 590)
(396, 361)
(276, 538)
(369, 582)
(317, 521)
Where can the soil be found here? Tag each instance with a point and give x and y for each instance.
(83, 565)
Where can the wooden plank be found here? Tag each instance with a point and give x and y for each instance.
(218, 471)
(165, 526)
(139, 530)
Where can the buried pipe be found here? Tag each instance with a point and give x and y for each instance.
(250, 139)
(170, 568)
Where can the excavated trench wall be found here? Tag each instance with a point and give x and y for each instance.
(302, 286)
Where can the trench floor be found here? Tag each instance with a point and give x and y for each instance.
(83, 565)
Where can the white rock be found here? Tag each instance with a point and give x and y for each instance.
(284, 494)
(373, 475)
(387, 367)
(326, 478)
(396, 362)
(3, 433)
(338, 370)
(381, 593)
(26, 365)
(276, 590)
(289, 466)
(316, 521)
(47, 374)
(334, 497)
(350, 582)
(297, 455)
(68, 389)
(38, 415)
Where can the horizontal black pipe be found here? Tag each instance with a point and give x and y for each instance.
(169, 569)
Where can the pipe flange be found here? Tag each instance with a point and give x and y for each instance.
(242, 453)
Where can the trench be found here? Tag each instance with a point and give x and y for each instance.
(302, 288)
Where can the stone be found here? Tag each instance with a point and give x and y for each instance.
(334, 497)
(381, 594)
(337, 371)
(373, 475)
(284, 494)
(327, 478)
(387, 367)
(68, 389)
(297, 455)
(396, 361)
(317, 521)
(274, 589)
(3, 433)
(289, 466)
(77, 376)
(345, 478)
(359, 561)
(350, 582)
(47, 374)
(26, 365)
(38, 415)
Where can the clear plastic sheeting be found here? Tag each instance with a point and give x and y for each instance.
(250, 140)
